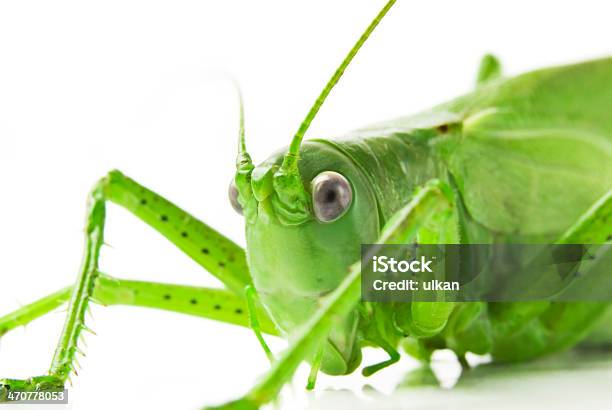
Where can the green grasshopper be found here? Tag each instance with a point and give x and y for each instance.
(518, 160)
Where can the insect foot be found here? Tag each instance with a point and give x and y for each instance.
(241, 404)
(39, 383)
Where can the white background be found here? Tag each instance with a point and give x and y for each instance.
(86, 87)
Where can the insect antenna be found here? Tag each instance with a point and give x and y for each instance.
(243, 161)
(290, 160)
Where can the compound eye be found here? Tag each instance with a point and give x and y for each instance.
(331, 196)
(232, 192)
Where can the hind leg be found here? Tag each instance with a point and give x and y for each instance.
(215, 253)
(215, 304)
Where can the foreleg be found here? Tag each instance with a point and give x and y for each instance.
(400, 230)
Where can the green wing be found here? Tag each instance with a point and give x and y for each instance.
(535, 151)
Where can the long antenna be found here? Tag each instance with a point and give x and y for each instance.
(290, 158)
(243, 159)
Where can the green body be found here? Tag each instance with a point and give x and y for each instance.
(519, 160)
(527, 157)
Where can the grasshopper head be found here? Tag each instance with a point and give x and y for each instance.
(300, 252)
(307, 212)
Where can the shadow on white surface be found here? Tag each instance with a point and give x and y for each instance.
(569, 381)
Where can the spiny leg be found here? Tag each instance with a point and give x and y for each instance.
(401, 229)
(217, 254)
(216, 304)
(34, 310)
(63, 359)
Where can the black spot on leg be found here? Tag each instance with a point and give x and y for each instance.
(217, 307)
(184, 234)
(205, 251)
(167, 296)
(193, 301)
(164, 218)
(609, 238)
(221, 264)
(238, 311)
(143, 201)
